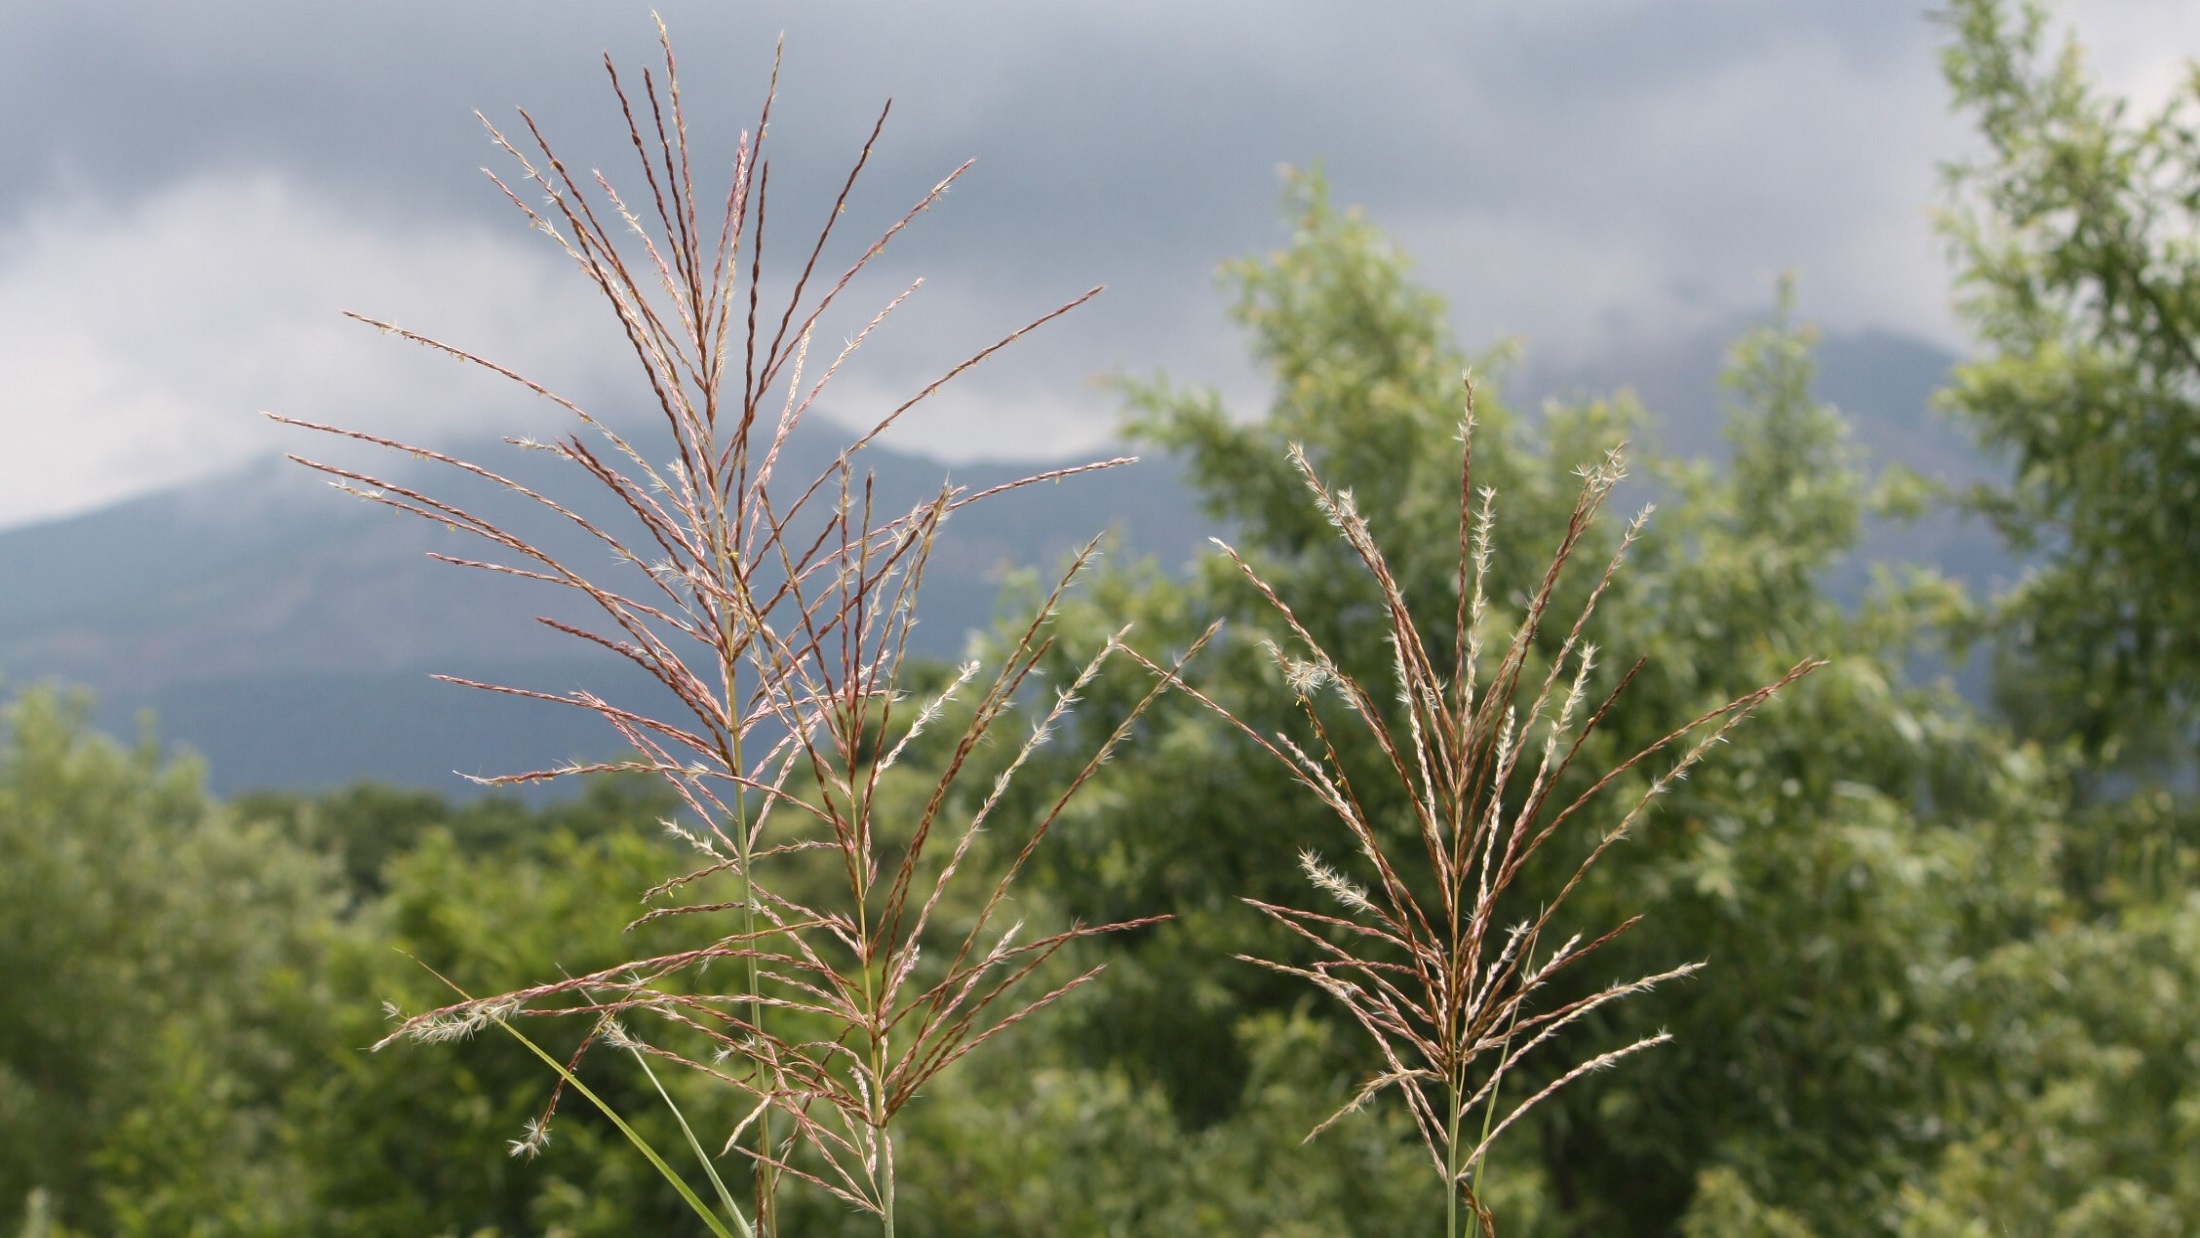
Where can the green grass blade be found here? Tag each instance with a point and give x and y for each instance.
(724, 1196)
(633, 1136)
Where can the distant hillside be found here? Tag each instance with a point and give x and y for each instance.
(287, 632)
(1883, 384)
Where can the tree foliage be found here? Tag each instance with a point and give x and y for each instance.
(164, 964)
(1862, 839)
(2076, 235)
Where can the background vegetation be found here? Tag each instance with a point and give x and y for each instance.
(1953, 981)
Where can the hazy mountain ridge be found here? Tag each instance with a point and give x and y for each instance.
(287, 632)
(1882, 382)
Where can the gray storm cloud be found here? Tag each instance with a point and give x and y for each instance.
(139, 345)
(189, 195)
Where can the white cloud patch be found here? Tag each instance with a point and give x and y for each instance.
(2142, 49)
(140, 343)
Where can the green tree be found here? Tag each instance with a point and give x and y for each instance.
(162, 962)
(2076, 234)
(418, 1139)
(192, 989)
(2077, 238)
(2081, 1102)
(1863, 838)
(368, 826)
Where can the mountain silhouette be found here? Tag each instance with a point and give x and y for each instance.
(287, 632)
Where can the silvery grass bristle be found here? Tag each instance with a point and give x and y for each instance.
(1452, 998)
(777, 615)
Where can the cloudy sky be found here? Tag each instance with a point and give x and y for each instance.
(190, 194)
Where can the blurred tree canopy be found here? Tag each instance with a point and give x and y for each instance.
(1860, 842)
(164, 965)
(2076, 235)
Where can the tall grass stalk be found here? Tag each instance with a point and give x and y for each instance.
(777, 617)
(1452, 995)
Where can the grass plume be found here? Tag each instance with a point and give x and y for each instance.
(1451, 992)
(777, 617)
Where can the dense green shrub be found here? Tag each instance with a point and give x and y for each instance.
(166, 975)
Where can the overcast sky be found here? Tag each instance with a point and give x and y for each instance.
(190, 194)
